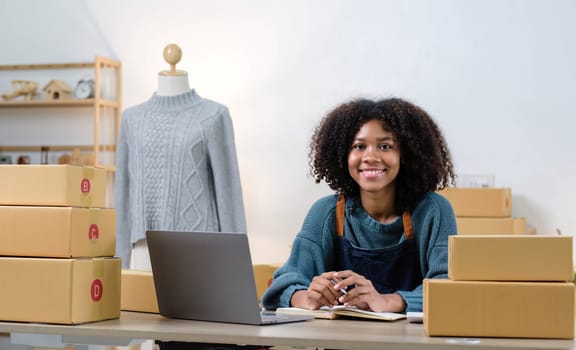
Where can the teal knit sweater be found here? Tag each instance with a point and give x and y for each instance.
(312, 253)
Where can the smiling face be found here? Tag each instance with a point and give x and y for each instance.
(374, 159)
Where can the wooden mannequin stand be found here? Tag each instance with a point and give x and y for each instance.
(172, 82)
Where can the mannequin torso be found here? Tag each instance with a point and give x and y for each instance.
(172, 82)
(172, 85)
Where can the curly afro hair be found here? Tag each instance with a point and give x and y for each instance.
(425, 161)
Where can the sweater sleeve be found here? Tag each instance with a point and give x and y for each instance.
(434, 223)
(311, 255)
(121, 199)
(226, 175)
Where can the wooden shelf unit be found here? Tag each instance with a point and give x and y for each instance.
(61, 103)
(107, 78)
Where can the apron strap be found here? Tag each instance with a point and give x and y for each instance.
(341, 205)
(407, 222)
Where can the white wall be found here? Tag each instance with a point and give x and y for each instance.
(498, 76)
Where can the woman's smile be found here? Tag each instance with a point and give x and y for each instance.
(372, 173)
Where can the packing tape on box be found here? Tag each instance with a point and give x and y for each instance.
(94, 231)
(86, 186)
(97, 288)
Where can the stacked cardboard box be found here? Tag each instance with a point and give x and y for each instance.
(503, 286)
(484, 211)
(263, 275)
(57, 245)
(139, 293)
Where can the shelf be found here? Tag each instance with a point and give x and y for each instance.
(108, 168)
(99, 61)
(64, 148)
(49, 66)
(63, 103)
(27, 148)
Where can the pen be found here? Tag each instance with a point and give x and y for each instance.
(342, 290)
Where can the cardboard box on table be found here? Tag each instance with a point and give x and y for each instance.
(138, 291)
(479, 202)
(60, 232)
(52, 185)
(62, 291)
(510, 258)
(263, 274)
(491, 226)
(499, 309)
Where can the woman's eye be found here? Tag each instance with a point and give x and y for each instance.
(385, 147)
(358, 146)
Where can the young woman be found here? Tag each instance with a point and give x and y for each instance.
(372, 243)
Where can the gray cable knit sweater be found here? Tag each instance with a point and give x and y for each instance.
(176, 169)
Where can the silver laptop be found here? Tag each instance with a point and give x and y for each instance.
(207, 276)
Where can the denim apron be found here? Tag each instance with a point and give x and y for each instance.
(389, 269)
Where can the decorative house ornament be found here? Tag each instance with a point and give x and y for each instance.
(57, 90)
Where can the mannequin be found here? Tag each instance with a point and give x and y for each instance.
(176, 167)
(172, 82)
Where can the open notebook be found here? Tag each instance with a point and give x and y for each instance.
(342, 311)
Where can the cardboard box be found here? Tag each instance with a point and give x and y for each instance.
(479, 202)
(499, 309)
(62, 291)
(491, 226)
(138, 291)
(510, 258)
(60, 232)
(52, 185)
(263, 275)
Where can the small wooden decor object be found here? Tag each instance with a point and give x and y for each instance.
(57, 90)
(77, 158)
(172, 55)
(24, 88)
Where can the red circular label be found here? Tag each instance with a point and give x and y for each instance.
(96, 290)
(93, 232)
(85, 186)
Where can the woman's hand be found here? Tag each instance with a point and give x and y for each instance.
(364, 295)
(319, 293)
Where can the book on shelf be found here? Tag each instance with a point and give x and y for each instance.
(338, 311)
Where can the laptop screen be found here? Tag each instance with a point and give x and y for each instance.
(204, 276)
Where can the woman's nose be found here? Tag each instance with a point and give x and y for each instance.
(369, 154)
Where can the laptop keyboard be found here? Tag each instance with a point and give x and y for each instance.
(273, 317)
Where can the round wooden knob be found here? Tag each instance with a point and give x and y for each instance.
(172, 55)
